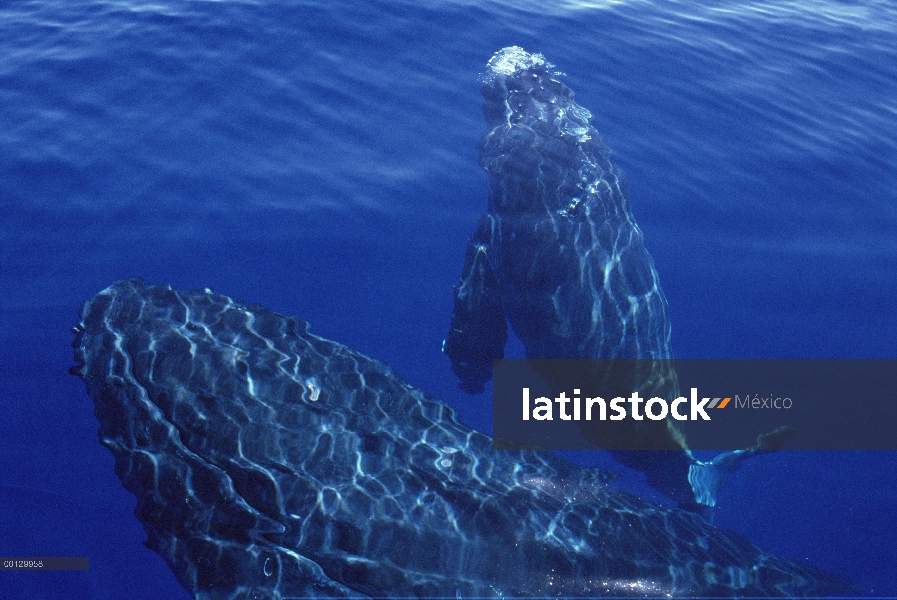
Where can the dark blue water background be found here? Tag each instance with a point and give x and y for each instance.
(319, 158)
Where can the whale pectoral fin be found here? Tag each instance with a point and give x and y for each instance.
(707, 478)
(479, 330)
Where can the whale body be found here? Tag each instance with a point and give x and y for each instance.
(270, 463)
(559, 256)
(558, 253)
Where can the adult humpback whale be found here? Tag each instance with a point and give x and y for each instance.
(271, 463)
(558, 255)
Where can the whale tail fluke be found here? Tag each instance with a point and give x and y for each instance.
(707, 478)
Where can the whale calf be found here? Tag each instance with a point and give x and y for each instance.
(271, 463)
(558, 253)
(559, 256)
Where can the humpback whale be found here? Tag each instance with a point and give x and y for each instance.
(559, 256)
(271, 463)
(558, 253)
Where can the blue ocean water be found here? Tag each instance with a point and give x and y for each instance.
(320, 158)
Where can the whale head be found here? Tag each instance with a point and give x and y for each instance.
(523, 88)
(542, 153)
